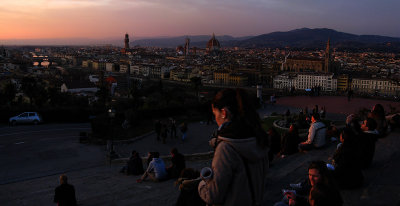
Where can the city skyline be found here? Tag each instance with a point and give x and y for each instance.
(69, 19)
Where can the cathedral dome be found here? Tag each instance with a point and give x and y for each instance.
(213, 44)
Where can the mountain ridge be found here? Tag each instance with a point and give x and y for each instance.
(302, 38)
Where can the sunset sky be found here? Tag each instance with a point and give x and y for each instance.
(36, 19)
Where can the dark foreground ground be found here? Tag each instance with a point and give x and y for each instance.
(103, 185)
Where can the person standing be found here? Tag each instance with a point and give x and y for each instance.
(240, 162)
(173, 128)
(157, 128)
(184, 129)
(65, 193)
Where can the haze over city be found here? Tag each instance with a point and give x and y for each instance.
(68, 19)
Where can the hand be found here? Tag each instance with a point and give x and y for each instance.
(290, 196)
(292, 202)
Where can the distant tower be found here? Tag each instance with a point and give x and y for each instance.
(126, 41)
(187, 46)
(327, 56)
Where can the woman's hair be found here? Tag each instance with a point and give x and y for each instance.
(324, 195)
(355, 126)
(190, 173)
(347, 134)
(294, 130)
(378, 111)
(237, 102)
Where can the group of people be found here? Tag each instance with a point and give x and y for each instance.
(354, 153)
(167, 128)
(243, 151)
(290, 142)
(156, 169)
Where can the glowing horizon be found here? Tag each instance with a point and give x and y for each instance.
(99, 19)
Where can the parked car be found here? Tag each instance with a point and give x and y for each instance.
(26, 118)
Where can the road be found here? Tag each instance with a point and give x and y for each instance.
(32, 151)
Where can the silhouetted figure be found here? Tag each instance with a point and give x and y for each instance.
(369, 137)
(347, 172)
(164, 133)
(378, 114)
(178, 164)
(173, 128)
(65, 193)
(184, 129)
(349, 94)
(315, 110)
(323, 112)
(134, 165)
(290, 141)
(274, 143)
(188, 182)
(157, 128)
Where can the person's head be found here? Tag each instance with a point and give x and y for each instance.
(346, 134)
(350, 118)
(134, 153)
(233, 105)
(156, 154)
(317, 172)
(150, 156)
(230, 104)
(378, 109)
(63, 179)
(315, 117)
(369, 125)
(174, 151)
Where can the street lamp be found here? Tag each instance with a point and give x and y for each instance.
(111, 115)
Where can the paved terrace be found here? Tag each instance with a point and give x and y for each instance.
(105, 186)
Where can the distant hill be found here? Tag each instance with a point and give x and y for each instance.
(304, 38)
(172, 42)
(317, 38)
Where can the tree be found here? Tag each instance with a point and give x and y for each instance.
(10, 90)
(103, 95)
(29, 87)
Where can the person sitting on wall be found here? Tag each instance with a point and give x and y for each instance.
(178, 164)
(316, 134)
(156, 170)
(290, 141)
(134, 165)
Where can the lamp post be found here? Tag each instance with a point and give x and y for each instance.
(111, 115)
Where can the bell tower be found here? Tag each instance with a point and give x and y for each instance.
(327, 57)
(126, 41)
